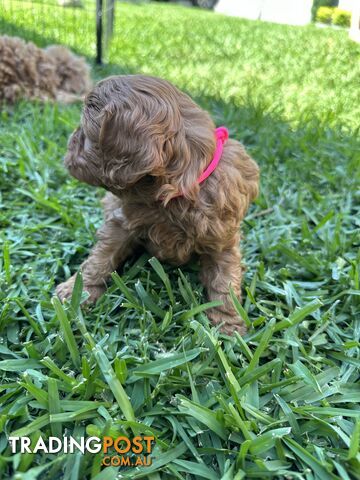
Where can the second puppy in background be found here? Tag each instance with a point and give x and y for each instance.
(47, 74)
(176, 185)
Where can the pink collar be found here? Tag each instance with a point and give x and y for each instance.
(221, 135)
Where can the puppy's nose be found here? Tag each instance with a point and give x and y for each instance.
(69, 160)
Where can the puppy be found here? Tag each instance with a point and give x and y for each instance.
(175, 184)
(54, 73)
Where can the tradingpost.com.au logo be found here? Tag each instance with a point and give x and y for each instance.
(120, 451)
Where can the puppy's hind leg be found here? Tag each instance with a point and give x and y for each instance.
(219, 270)
(115, 244)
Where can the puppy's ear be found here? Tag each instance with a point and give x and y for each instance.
(187, 153)
(182, 167)
(132, 144)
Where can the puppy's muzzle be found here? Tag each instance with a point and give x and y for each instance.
(76, 162)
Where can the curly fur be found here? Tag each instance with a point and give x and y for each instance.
(54, 73)
(144, 141)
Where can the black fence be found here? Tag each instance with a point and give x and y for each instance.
(84, 25)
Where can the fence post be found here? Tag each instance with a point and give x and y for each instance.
(99, 31)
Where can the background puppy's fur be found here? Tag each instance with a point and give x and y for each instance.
(54, 73)
(145, 141)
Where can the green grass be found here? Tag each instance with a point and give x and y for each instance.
(283, 402)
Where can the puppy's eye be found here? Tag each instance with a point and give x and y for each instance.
(149, 180)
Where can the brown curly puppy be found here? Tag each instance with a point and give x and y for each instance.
(147, 143)
(54, 73)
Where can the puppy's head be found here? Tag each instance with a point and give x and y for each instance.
(141, 129)
(72, 71)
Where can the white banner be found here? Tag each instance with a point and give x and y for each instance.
(291, 12)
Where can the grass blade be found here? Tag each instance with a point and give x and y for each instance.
(114, 384)
(67, 332)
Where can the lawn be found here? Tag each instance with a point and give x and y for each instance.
(282, 402)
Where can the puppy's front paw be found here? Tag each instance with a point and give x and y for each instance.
(65, 289)
(230, 323)
(95, 292)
